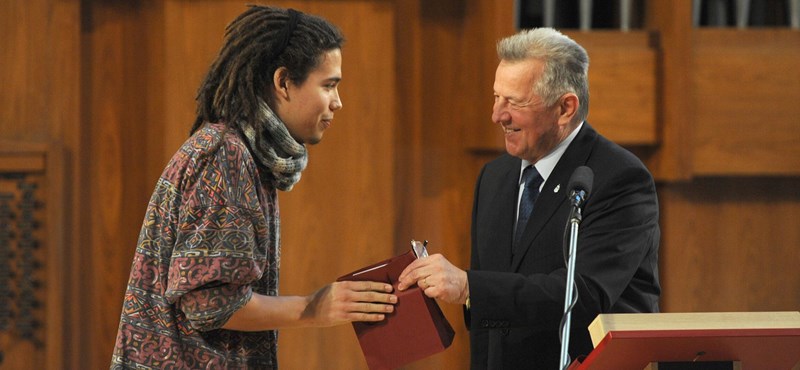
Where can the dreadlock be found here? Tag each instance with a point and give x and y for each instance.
(242, 73)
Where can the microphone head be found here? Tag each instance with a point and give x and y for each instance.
(582, 179)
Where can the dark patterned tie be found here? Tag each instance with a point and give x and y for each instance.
(532, 180)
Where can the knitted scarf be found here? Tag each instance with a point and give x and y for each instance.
(274, 148)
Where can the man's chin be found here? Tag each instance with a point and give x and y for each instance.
(314, 140)
(512, 149)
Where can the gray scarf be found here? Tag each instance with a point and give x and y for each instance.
(274, 148)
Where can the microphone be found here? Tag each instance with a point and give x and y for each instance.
(580, 185)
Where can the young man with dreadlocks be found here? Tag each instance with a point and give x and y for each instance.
(203, 289)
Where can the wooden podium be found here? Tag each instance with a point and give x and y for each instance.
(746, 340)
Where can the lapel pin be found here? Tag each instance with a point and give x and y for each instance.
(557, 188)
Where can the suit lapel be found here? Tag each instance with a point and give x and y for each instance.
(554, 191)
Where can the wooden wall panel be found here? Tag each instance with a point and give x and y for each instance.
(193, 34)
(445, 89)
(731, 245)
(746, 89)
(39, 75)
(39, 70)
(32, 316)
(111, 241)
(120, 161)
(622, 84)
(40, 104)
(448, 92)
(672, 20)
(31, 311)
(24, 114)
(482, 23)
(340, 217)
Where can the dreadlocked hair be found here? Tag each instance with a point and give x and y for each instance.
(241, 75)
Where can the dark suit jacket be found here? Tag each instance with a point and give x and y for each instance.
(517, 299)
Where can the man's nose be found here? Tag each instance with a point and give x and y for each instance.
(499, 113)
(336, 104)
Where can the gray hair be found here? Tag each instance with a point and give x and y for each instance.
(566, 64)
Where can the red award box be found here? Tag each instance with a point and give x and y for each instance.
(415, 330)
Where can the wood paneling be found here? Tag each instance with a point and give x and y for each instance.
(471, 75)
(622, 84)
(340, 217)
(25, 36)
(193, 34)
(40, 99)
(59, 281)
(23, 299)
(746, 89)
(113, 83)
(730, 245)
(447, 90)
(39, 70)
(672, 20)
(32, 302)
(120, 160)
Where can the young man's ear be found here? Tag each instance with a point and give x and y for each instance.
(280, 82)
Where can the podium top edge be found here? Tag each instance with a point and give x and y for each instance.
(605, 323)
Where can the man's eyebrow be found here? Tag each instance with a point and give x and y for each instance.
(520, 102)
(510, 98)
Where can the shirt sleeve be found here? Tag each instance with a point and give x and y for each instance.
(215, 259)
(213, 265)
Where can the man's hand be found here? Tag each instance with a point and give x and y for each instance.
(347, 301)
(438, 277)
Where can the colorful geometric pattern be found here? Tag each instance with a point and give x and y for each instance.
(210, 238)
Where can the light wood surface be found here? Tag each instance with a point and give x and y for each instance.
(606, 323)
(753, 339)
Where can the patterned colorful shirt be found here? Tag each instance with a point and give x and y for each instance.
(209, 240)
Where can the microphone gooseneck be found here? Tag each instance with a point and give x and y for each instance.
(580, 186)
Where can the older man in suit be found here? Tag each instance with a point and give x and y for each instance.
(514, 290)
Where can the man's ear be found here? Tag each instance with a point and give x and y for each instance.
(280, 82)
(567, 108)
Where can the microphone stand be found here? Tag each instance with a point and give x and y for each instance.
(575, 220)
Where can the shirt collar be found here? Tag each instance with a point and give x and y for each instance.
(548, 163)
